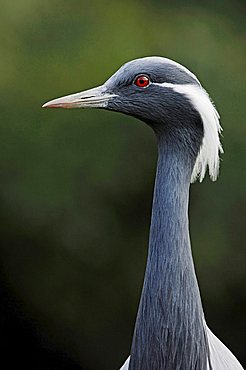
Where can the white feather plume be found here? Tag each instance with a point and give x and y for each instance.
(211, 147)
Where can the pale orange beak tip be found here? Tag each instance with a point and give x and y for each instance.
(53, 105)
(47, 105)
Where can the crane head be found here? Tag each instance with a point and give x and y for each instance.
(165, 95)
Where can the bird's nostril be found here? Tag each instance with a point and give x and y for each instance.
(87, 97)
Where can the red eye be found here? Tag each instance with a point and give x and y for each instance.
(142, 81)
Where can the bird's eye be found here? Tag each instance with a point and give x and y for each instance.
(142, 81)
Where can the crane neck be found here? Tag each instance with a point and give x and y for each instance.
(170, 331)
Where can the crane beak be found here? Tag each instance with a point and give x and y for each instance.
(97, 97)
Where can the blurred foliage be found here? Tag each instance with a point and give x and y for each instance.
(76, 186)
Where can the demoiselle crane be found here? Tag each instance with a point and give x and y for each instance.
(170, 330)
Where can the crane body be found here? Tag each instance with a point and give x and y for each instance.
(170, 330)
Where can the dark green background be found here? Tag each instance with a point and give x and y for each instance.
(76, 186)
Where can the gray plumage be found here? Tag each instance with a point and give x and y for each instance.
(170, 331)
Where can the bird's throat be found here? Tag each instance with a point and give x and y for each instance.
(169, 332)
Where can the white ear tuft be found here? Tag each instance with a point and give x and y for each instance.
(211, 147)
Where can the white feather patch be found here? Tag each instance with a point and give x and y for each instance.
(126, 364)
(221, 357)
(211, 146)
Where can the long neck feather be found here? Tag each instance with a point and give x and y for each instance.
(169, 332)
